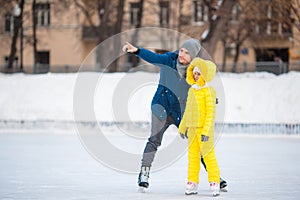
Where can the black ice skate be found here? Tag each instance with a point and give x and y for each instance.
(223, 185)
(143, 180)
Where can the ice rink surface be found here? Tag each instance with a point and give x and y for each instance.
(47, 165)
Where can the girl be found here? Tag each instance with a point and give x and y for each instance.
(198, 120)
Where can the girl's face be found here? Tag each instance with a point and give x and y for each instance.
(196, 76)
(184, 57)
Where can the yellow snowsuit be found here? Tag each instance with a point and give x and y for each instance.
(199, 119)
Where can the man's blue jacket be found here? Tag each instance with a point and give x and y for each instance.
(171, 94)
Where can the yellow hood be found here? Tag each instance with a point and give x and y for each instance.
(207, 68)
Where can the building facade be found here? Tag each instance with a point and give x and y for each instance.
(65, 37)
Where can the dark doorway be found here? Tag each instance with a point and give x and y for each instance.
(43, 62)
(272, 60)
(272, 54)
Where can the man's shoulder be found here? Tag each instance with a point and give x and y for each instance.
(173, 54)
(173, 57)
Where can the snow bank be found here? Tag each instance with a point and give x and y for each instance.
(250, 97)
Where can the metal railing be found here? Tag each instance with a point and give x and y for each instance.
(244, 128)
(272, 67)
(260, 128)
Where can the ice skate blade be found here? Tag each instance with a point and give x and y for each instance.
(217, 194)
(190, 193)
(224, 189)
(142, 189)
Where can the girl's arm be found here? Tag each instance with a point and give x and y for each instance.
(182, 126)
(210, 102)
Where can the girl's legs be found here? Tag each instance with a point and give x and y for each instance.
(193, 162)
(193, 156)
(212, 166)
(208, 153)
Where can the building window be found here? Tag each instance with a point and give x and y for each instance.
(42, 14)
(272, 21)
(164, 13)
(231, 50)
(43, 62)
(43, 57)
(15, 64)
(269, 17)
(284, 26)
(8, 23)
(134, 13)
(235, 13)
(200, 11)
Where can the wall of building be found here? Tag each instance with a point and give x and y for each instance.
(68, 49)
(62, 38)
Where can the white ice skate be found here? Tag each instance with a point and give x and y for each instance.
(191, 188)
(215, 188)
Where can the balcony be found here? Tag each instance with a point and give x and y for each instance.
(90, 33)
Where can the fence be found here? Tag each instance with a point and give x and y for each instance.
(273, 67)
(247, 128)
(256, 128)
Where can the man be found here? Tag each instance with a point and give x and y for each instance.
(168, 103)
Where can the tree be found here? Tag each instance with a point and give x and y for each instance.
(135, 36)
(288, 12)
(224, 38)
(118, 29)
(33, 7)
(218, 17)
(260, 19)
(17, 26)
(109, 22)
(242, 28)
(295, 7)
(180, 21)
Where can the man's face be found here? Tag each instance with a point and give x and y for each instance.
(184, 57)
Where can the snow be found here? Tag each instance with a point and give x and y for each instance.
(102, 162)
(249, 97)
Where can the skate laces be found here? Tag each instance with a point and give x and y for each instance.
(214, 185)
(191, 184)
(145, 174)
(145, 171)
